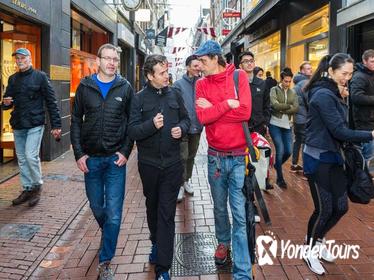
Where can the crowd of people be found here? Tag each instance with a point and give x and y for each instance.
(303, 114)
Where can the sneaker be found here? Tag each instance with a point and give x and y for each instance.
(257, 219)
(296, 168)
(163, 276)
(22, 198)
(35, 195)
(220, 256)
(105, 272)
(180, 195)
(282, 184)
(325, 254)
(269, 187)
(188, 188)
(313, 263)
(153, 255)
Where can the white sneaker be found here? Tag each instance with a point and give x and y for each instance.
(257, 219)
(188, 188)
(313, 263)
(325, 253)
(180, 194)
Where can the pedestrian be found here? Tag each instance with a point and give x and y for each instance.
(284, 103)
(326, 130)
(260, 116)
(190, 142)
(27, 91)
(300, 80)
(222, 111)
(270, 81)
(102, 147)
(158, 121)
(362, 99)
(258, 72)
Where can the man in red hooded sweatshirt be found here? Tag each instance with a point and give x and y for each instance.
(222, 110)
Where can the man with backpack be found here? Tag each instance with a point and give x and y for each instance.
(222, 111)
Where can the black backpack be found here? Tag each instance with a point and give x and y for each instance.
(360, 183)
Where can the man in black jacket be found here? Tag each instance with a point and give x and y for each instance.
(102, 147)
(27, 91)
(158, 121)
(362, 99)
(260, 117)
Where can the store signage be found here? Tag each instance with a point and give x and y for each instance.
(161, 38)
(231, 15)
(161, 22)
(126, 35)
(225, 31)
(59, 73)
(24, 6)
(265, 29)
(150, 34)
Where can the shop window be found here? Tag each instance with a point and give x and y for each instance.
(309, 26)
(317, 50)
(267, 53)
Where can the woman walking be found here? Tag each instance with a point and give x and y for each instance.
(284, 104)
(326, 130)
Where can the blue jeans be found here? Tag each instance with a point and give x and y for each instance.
(226, 179)
(27, 143)
(282, 139)
(105, 189)
(368, 150)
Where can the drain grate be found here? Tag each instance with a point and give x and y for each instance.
(18, 231)
(194, 255)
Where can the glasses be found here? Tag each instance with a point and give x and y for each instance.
(108, 59)
(245, 61)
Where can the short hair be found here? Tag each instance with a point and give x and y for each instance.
(221, 60)
(303, 64)
(245, 53)
(268, 74)
(286, 72)
(367, 54)
(151, 61)
(107, 46)
(190, 58)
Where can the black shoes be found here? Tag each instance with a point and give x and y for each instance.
(282, 184)
(32, 196)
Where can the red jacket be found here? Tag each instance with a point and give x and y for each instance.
(223, 125)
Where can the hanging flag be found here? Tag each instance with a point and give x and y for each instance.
(175, 30)
(208, 31)
(161, 38)
(177, 49)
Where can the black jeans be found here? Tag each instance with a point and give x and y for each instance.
(328, 186)
(160, 188)
(299, 134)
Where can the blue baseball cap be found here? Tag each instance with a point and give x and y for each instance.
(22, 51)
(209, 47)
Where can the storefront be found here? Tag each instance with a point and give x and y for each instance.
(14, 33)
(308, 39)
(86, 38)
(126, 41)
(267, 53)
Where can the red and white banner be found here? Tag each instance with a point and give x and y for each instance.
(177, 49)
(175, 30)
(207, 30)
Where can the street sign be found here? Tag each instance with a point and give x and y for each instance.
(231, 15)
(225, 31)
(150, 34)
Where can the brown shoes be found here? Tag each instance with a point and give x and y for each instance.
(32, 197)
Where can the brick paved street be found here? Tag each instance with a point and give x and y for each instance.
(66, 237)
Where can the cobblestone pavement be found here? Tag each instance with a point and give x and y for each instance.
(59, 239)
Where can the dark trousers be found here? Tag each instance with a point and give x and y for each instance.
(328, 186)
(189, 146)
(299, 138)
(160, 188)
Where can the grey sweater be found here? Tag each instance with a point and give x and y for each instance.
(187, 87)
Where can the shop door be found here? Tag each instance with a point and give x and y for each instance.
(10, 40)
